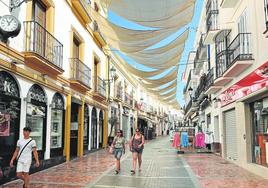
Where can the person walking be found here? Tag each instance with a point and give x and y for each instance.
(136, 145)
(118, 149)
(23, 155)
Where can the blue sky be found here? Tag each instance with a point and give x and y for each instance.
(188, 47)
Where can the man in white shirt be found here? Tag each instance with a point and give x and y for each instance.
(23, 154)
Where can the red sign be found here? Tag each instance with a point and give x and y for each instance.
(255, 81)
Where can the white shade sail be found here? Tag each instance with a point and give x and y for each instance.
(170, 93)
(172, 75)
(162, 57)
(140, 73)
(165, 89)
(176, 44)
(153, 13)
(128, 40)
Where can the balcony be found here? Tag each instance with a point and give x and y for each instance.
(83, 7)
(80, 75)
(229, 3)
(191, 108)
(188, 82)
(212, 25)
(43, 52)
(202, 48)
(101, 87)
(98, 34)
(266, 15)
(210, 87)
(239, 55)
(129, 100)
(221, 66)
(199, 92)
(119, 93)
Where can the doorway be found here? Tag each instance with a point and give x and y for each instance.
(94, 133)
(101, 129)
(74, 130)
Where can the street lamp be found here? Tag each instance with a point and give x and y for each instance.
(112, 73)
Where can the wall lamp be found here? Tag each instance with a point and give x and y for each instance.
(112, 72)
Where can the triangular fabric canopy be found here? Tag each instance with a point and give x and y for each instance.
(153, 13)
(164, 56)
(172, 75)
(177, 43)
(170, 93)
(140, 73)
(165, 89)
(127, 40)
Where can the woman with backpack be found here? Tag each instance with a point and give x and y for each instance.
(118, 146)
(136, 146)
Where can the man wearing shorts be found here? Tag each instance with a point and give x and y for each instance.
(23, 154)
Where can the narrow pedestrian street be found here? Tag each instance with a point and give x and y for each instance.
(162, 167)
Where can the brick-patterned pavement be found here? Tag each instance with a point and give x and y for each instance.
(76, 173)
(162, 168)
(214, 172)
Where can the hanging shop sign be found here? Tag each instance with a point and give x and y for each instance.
(255, 81)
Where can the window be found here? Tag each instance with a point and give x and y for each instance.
(259, 111)
(242, 23)
(39, 13)
(76, 44)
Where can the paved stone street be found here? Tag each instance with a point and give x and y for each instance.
(162, 167)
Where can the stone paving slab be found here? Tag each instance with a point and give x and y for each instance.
(76, 173)
(214, 172)
(162, 168)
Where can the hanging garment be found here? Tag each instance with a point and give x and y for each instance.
(209, 138)
(176, 141)
(200, 140)
(184, 139)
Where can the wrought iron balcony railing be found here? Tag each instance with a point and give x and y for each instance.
(221, 63)
(101, 86)
(188, 81)
(119, 92)
(266, 13)
(129, 99)
(212, 15)
(210, 78)
(188, 106)
(239, 49)
(38, 40)
(201, 87)
(80, 72)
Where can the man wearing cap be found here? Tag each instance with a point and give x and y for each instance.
(23, 154)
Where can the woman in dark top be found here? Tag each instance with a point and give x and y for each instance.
(136, 145)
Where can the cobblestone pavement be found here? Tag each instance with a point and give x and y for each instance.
(162, 168)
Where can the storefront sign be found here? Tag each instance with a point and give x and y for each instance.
(250, 84)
